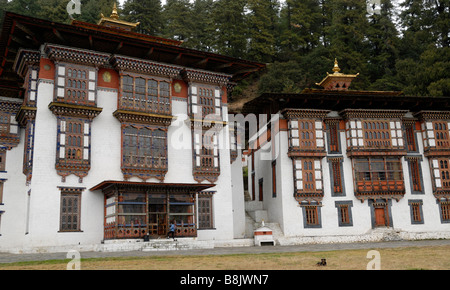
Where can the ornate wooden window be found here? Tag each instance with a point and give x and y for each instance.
(206, 155)
(445, 211)
(416, 211)
(76, 84)
(435, 135)
(410, 138)
(73, 146)
(28, 149)
(144, 149)
(383, 175)
(2, 159)
(145, 95)
(308, 179)
(205, 211)
(376, 134)
(306, 134)
(441, 132)
(444, 173)
(70, 210)
(344, 213)
(337, 181)
(311, 216)
(416, 180)
(333, 141)
(205, 100)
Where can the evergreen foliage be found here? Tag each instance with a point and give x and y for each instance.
(393, 47)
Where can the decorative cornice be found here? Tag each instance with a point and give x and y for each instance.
(309, 197)
(63, 109)
(375, 114)
(397, 195)
(78, 55)
(144, 118)
(25, 114)
(9, 106)
(25, 58)
(191, 75)
(144, 174)
(433, 115)
(124, 63)
(304, 113)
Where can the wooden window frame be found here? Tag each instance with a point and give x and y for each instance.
(80, 89)
(416, 176)
(74, 140)
(411, 142)
(373, 178)
(205, 214)
(344, 213)
(333, 138)
(3, 160)
(444, 209)
(143, 96)
(416, 211)
(67, 211)
(311, 216)
(377, 134)
(149, 150)
(441, 134)
(444, 173)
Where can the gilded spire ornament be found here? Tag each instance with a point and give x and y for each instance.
(113, 21)
(337, 81)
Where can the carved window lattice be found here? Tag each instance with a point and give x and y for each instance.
(378, 174)
(205, 211)
(144, 147)
(311, 215)
(76, 84)
(70, 211)
(441, 132)
(145, 95)
(377, 134)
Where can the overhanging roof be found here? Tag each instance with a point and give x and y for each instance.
(191, 187)
(25, 32)
(341, 100)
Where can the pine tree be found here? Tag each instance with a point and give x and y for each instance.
(262, 18)
(179, 24)
(383, 47)
(302, 26)
(347, 39)
(147, 12)
(203, 26)
(230, 37)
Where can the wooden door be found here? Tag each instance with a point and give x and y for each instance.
(380, 217)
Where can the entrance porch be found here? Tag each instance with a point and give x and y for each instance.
(134, 210)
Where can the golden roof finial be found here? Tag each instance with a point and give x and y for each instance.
(336, 68)
(114, 14)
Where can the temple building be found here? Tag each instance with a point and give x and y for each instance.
(335, 164)
(103, 137)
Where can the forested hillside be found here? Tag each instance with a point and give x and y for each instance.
(403, 47)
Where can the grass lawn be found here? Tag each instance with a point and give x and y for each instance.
(408, 258)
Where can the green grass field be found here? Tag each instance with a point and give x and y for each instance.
(407, 258)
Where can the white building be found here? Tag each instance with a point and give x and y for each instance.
(104, 141)
(335, 165)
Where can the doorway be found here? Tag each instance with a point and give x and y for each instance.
(157, 216)
(381, 216)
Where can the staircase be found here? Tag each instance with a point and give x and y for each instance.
(254, 215)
